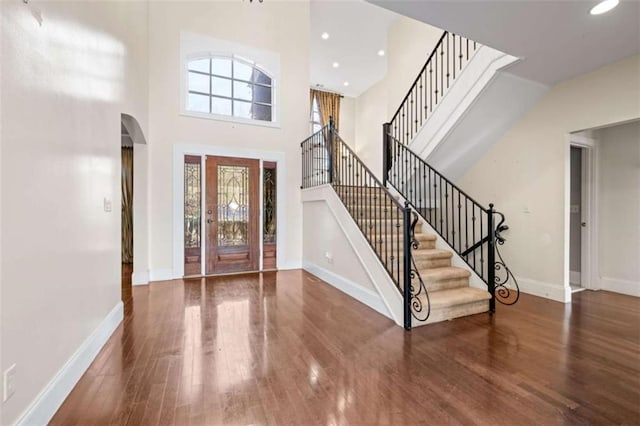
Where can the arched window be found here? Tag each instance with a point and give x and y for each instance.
(229, 86)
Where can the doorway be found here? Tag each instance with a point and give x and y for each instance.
(577, 222)
(581, 210)
(227, 210)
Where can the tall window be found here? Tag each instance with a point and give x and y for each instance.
(229, 86)
(316, 122)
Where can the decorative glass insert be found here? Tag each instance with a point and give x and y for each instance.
(192, 204)
(229, 86)
(269, 214)
(233, 205)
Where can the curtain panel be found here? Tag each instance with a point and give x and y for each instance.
(127, 204)
(328, 105)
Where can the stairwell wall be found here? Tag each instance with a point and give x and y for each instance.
(409, 44)
(524, 173)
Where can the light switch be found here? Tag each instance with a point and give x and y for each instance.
(107, 204)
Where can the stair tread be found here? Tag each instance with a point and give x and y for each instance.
(444, 273)
(456, 296)
(431, 253)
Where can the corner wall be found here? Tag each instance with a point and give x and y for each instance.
(618, 189)
(409, 44)
(524, 173)
(64, 84)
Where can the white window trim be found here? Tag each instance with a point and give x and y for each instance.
(195, 46)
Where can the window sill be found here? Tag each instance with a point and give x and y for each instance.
(234, 120)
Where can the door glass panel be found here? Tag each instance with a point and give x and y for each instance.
(233, 205)
(192, 215)
(269, 187)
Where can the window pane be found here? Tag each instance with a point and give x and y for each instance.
(316, 127)
(242, 70)
(242, 90)
(201, 65)
(260, 77)
(198, 103)
(221, 86)
(261, 112)
(220, 106)
(198, 83)
(221, 66)
(262, 94)
(242, 109)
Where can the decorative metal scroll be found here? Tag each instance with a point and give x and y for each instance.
(507, 290)
(419, 311)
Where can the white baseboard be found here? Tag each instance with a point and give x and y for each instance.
(631, 288)
(140, 278)
(361, 294)
(45, 405)
(161, 275)
(574, 277)
(286, 266)
(559, 293)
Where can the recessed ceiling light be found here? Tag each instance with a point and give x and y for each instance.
(336, 64)
(604, 6)
(346, 83)
(325, 36)
(381, 52)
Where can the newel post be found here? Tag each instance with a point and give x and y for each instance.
(491, 259)
(386, 152)
(330, 147)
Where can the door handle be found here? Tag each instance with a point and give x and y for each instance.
(209, 221)
(583, 224)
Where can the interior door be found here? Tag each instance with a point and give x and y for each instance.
(232, 215)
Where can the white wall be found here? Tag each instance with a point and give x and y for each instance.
(269, 26)
(409, 44)
(64, 85)
(348, 120)
(619, 207)
(524, 174)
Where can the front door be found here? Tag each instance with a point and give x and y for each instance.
(232, 215)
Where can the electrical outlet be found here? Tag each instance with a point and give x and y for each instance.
(8, 382)
(329, 257)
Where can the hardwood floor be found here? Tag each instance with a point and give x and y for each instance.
(286, 348)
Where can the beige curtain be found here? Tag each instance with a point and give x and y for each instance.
(127, 204)
(329, 106)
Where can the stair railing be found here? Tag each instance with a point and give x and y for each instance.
(387, 224)
(445, 63)
(466, 225)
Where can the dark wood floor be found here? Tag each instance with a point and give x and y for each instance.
(285, 348)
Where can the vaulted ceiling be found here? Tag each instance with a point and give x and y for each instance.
(357, 31)
(555, 39)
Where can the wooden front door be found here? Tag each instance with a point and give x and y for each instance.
(232, 215)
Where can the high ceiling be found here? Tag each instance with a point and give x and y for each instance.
(357, 31)
(556, 39)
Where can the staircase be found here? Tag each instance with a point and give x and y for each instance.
(413, 254)
(439, 246)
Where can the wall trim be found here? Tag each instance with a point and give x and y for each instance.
(161, 275)
(179, 151)
(546, 290)
(628, 287)
(51, 397)
(140, 278)
(361, 294)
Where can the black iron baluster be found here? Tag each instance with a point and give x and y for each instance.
(491, 259)
(406, 220)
